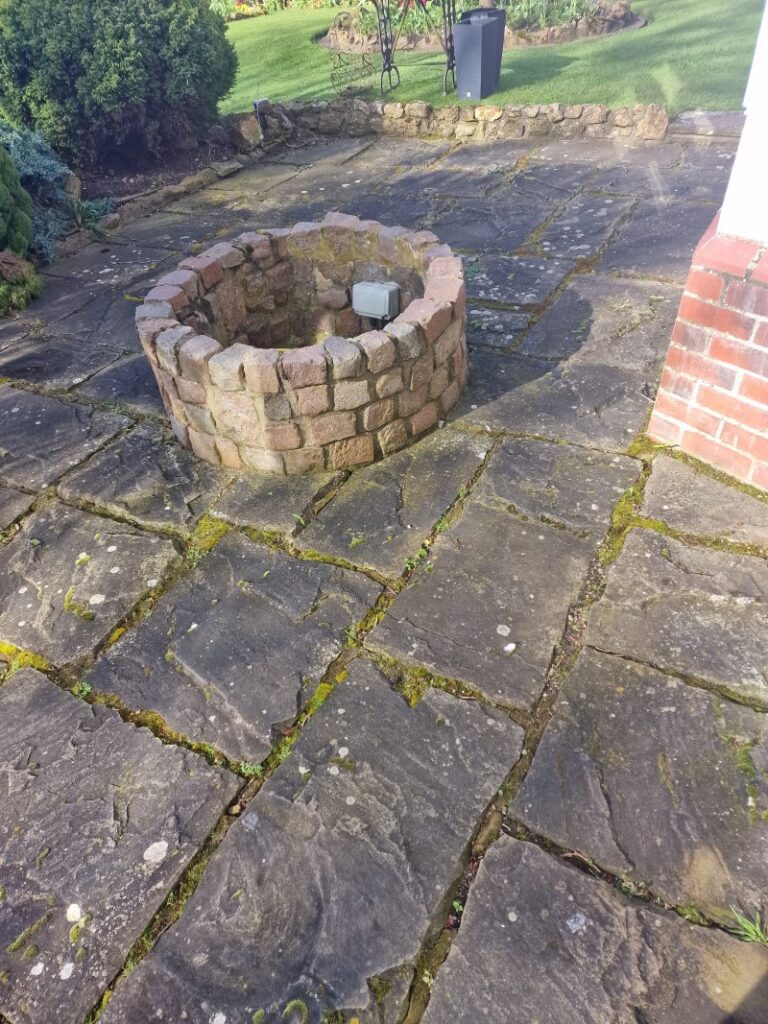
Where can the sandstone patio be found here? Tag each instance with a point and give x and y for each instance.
(473, 733)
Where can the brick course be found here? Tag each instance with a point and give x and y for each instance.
(713, 396)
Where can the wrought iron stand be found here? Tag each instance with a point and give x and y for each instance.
(388, 39)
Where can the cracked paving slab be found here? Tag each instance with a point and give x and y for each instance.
(692, 502)
(337, 868)
(658, 240)
(489, 605)
(592, 404)
(558, 484)
(235, 649)
(488, 226)
(54, 362)
(601, 319)
(67, 578)
(144, 476)
(99, 820)
(382, 515)
(539, 936)
(701, 176)
(13, 504)
(128, 384)
(494, 328)
(514, 280)
(583, 227)
(658, 782)
(41, 438)
(110, 262)
(280, 504)
(692, 610)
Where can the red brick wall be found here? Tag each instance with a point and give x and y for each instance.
(713, 397)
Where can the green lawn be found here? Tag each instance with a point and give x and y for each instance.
(692, 54)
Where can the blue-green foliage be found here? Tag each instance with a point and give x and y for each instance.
(44, 176)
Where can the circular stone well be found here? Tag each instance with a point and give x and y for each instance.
(262, 362)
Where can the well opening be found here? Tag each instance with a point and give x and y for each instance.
(261, 360)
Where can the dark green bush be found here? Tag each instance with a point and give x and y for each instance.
(15, 209)
(113, 82)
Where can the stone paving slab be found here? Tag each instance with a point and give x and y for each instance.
(68, 578)
(692, 502)
(128, 384)
(495, 328)
(99, 819)
(337, 153)
(599, 319)
(514, 280)
(539, 937)
(383, 514)
(489, 606)
(655, 781)
(413, 213)
(488, 227)
(235, 649)
(276, 504)
(337, 868)
(111, 262)
(147, 478)
(583, 227)
(702, 179)
(488, 156)
(68, 307)
(54, 362)
(691, 610)
(608, 153)
(557, 484)
(592, 404)
(13, 503)
(41, 438)
(446, 180)
(658, 241)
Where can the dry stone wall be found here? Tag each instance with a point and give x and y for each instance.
(485, 121)
(262, 362)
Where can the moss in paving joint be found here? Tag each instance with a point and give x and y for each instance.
(206, 535)
(19, 658)
(75, 607)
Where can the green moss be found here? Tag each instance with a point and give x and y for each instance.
(692, 914)
(18, 659)
(297, 1006)
(81, 688)
(380, 988)
(75, 607)
(29, 933)
(206, 536)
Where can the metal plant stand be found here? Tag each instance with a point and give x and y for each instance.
(388, 39)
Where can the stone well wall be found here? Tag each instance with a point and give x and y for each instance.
(485, 121)
(335, 393)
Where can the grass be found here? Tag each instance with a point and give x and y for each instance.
(693, 54)
(747, 929)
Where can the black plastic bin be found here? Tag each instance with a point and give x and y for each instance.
(478, 40)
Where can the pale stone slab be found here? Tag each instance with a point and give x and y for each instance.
(514, 280)
(129, 384)
(658, 240)
(540, 941)
(383, 514)
(281, 504)
(59, 362)
(13, 504)
(68, 577)
(583, 227)
(490, 605)
(98, 821)
(692, 610)
(693, 502)
(656, 781)
(336, 870)
(559, 484)
(41, 438)
(237, 648)
(147, 478)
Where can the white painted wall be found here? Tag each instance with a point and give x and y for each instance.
(745, 209)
